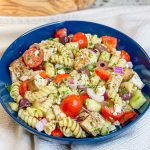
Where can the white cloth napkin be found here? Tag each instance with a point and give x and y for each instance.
(135, 22)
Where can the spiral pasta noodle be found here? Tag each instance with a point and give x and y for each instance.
(31, 121)
(50, 115)
(66, 131)
(74, 127)
(73, 46)
(43, 92)
(60, 48)
(49, 127)
(61, 60)
(35, 112)
(14, 93)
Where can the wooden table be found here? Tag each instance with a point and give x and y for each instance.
(41, 7)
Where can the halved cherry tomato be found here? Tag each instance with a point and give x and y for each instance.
(37, 68)
(60, 77)
(127, 116)
(60, 33)
(43, 75)
(71, 105)
(33, 57)
(110, 42)
(57, 133)
(81, 39)
(23, 88)
(107, 111)
(125, 55)
(84, 96)
(102, 73)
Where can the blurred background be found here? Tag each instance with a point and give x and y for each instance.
(51, 7)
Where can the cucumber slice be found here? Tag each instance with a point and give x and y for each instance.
(92, 105)
(137, 99)
(105, 56)
(104, 130)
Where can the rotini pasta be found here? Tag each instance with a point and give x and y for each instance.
(14, 93)
(43, 92)
(61, 60)
(49, 127)
(31, 121)
(74, 127)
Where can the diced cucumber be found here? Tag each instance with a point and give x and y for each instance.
(92, 105)
(137, 99)
(105, 56)
(104, 130)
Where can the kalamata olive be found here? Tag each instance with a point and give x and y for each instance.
(64, 40)
(100, 47)
(95, 50)
(84, 71)
(102, 64)
(35, 46)
(24, 103)
(126, 96)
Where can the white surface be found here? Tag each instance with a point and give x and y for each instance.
(134, 21)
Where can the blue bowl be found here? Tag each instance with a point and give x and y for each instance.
(140, 60)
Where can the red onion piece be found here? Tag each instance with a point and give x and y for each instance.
(106, 95)
(95, 50)
(126, 96)
(72, 83)
(40, 125)
(94, 96)
(118, 70)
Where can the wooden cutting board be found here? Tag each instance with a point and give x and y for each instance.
(41, 7)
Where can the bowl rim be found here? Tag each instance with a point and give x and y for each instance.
(89, 139)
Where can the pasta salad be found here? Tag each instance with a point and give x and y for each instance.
(75, 85)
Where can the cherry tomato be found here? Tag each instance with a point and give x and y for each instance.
(33, 57)
(71, 105)
(81, 39)
(127, 116)
(57, 133)
(107, 111)
(125, 55)
(43, 75)
(37, 68)
(110, 42)
(60, 77)
(23, 88)
(84, 96)
(102, 73)
(60, 33)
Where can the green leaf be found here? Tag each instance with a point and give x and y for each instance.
(8, 87)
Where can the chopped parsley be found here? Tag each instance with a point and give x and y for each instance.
(27, 57)
(8, 87)
(50, 39)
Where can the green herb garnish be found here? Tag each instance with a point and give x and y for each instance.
(27, 57)
(8, 87)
